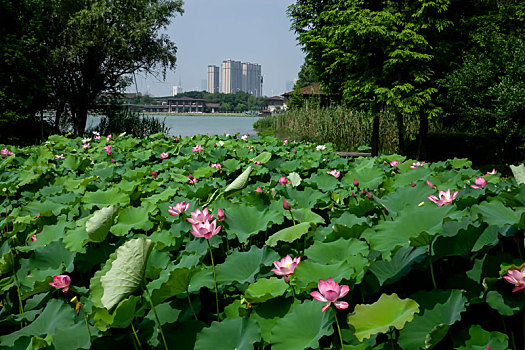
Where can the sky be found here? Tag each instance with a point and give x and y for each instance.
(212, 31)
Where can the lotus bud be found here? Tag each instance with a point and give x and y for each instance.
(369, 195)
(412, 184)
(220, 215)
(154, 174)
(356, 183)
(354, 195)
(286, 205)
(363, 191)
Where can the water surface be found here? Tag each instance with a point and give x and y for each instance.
(184, 125)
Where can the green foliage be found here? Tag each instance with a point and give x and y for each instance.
(419, 275)
(118, 119)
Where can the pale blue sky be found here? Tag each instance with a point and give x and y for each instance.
(211, 31)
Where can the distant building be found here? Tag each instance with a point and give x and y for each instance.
(186, 105)
(251, 79)
(238, 76)
(231, 72)
(176, 90)
(213, 79)
(274, 104)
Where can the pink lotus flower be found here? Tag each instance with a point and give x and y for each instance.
(284, 181)
(61, 281)
(154, 174)
(285, 142)
(430, 184)
(258, 162)
(205, 229)
(96, 137)
(329, 292)
(286, 267)
(197, 148)
(295, 150)
(108, 138)
(198, 216)
(216, 166)
(61, 156)
(108, 149)
(417, 164)
(394, 163)
(33, 238)
(258, 189)
(113, 160)
(5, 152)
(517, 278)
(164, 155)
(445, 198)
(220, 215)
(335, 173)
(192, 180)
(178, 208)
(480, 183)
(493, 172)
(86, 145)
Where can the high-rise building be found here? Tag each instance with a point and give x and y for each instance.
(176, 90)
(231, 77)
(213, 79)
(252, 79)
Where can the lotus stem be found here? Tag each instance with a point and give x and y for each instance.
(157, 318)
(191, 305)
(136, 336)
(338, 329)
(214, 280)
(293, 219)
(87, 324)
(432, 272)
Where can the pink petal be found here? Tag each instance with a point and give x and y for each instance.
(344, 291)
(318, 296)
(325, 307)
(341, 304)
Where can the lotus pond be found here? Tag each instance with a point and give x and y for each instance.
(212, 242)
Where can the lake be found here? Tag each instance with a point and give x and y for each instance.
(184, 125)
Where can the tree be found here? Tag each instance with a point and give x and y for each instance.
(375, 55)
(97, 45)
(306, 76)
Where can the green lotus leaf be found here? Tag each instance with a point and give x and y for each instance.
(308, 273)
(410, 223)
(495, 213)
(409, 175)
(265, 289)
(231, 165)
(334, 252)
(60, 322)
(504, 306)
(245, 221)
(480, 339)
(240, 182)
(406, 196)
(50, 233)
(269, 313)
(308, 198)
(203, 172)
(166, 313)
(400, 264)
(242, 267)
(414, 335)
(125, 274)
(238, 333)
(132, 218)
(461, 244)
(289, 234)
(324, 182)
(366, 173)
(171, 283)
(98, 225)
(388, 311)
(519, 173)
(264, 157)
(106, 198)
(305, 215)
(302, 328)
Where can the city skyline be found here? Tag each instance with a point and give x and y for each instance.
(208, 32)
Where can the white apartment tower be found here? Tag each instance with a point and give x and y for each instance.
(213, 79)
(231, 77)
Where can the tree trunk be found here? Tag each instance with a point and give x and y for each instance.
(58, 115)
(375, 135)
(423, 132)
(79, 121)
(400, 133)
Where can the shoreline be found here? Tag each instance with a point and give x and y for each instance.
(203, 114)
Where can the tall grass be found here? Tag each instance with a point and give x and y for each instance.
(345, 129)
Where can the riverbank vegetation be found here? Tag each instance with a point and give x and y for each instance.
(421, 61)
(250, 243)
